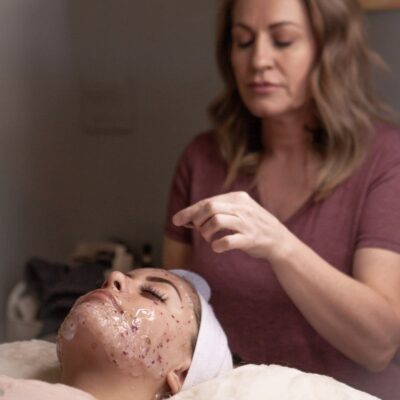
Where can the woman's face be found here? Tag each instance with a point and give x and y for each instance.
(272, 55)
(141, 323)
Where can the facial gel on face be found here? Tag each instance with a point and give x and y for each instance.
(143, 337)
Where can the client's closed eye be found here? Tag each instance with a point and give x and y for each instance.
(153, 293)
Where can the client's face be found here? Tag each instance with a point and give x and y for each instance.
(141, 323)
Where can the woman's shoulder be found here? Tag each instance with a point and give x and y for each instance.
(385, 147)
(386, 137)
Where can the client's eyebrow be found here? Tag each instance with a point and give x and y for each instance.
(163, 280)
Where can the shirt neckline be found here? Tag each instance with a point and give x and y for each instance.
(294, 216)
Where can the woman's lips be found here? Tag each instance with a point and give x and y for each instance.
(264, 87)
(101, 294)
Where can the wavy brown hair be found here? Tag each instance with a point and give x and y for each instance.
(341, 90)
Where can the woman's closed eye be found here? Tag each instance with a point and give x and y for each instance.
(277, 43)
(153, 293)
(282, 38)
(243, 45)
(283, 43)
(241, 38)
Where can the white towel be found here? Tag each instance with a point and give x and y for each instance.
(211, 356)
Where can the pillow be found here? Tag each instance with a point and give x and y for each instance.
(18, 389)
(271, 382)
(30, 359)
(37, 359)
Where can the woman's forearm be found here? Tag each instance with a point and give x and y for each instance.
(354, 318)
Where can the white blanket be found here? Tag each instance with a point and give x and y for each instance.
(38, 360)
(28, 389)
(272, 382)
(30, 359)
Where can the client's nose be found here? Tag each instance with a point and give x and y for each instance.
(115, 281)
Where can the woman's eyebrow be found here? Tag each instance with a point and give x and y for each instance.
(272, 26)
(282, 23)
(241, 25)
(163, 280)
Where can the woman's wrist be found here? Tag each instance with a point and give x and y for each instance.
(285, 249)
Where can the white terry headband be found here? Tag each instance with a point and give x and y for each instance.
(211, 356)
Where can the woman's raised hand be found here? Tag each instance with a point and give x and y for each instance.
(242, 222)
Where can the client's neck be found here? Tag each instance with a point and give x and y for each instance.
(112, 386)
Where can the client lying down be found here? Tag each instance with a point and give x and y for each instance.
(134, 339)
(143, 335)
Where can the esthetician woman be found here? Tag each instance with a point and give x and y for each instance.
(290, 206)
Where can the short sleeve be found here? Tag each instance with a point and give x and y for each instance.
(179, 197)
(380, 216)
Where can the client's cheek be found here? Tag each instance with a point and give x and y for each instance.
(145, 341)
(160, 340)
(96, 327)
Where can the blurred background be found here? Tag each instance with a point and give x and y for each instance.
(97, 100)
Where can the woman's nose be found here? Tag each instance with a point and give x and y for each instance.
(262, 57)
(115, 281)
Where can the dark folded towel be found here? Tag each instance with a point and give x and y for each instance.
(58, 286)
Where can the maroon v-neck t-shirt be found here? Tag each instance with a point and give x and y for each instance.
(262, 323)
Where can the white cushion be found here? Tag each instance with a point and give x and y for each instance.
(37, 359)
(271, 382)
(29, 389)
(30, 359)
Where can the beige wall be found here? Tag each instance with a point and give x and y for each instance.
(38, 125)
(60, 184)
(384, 29)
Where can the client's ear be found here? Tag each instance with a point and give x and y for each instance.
(176, 377)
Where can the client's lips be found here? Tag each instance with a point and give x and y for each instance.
(102, 294)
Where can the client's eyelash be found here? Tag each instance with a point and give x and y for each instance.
(145, 289)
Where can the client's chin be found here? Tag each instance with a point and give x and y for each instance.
(93, 338)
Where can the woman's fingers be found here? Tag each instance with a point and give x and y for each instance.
(195, 215)
(203, 210)
(217, 223)
(242, 224)
(235, 241)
